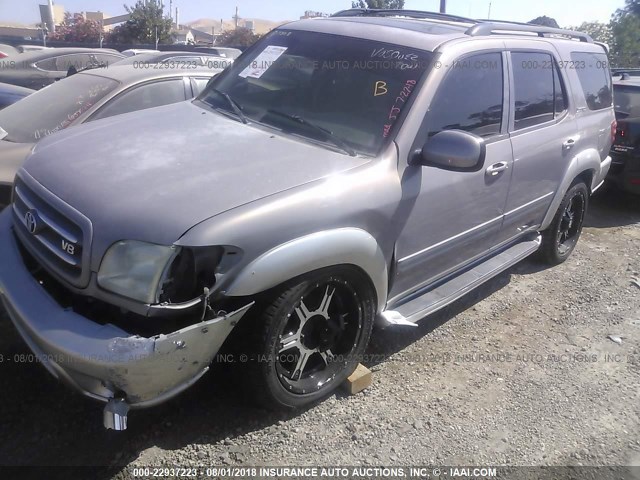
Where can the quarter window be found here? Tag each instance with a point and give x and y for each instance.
(538, 90)
(470, 97)
(595, 78)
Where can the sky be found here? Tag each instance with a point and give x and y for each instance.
(566, 12)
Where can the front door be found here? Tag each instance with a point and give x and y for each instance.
(453, 216)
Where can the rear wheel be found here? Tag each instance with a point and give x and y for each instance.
(312, 336)
(559, 240)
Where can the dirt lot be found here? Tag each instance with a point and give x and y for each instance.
(521, 372)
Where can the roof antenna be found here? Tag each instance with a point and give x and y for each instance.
(489, 14)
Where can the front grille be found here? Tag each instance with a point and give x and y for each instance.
(57, 235)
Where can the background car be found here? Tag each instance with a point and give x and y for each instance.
(625, 152)
(130, 52)
(40, 68)
(180, 59)
(10, 94)
(220, 51)
(6, 50)
(85, 97)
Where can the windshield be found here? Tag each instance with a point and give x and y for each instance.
(54, 107)
(626, 101)
(297, 81)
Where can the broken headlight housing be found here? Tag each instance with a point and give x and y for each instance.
(135, 269)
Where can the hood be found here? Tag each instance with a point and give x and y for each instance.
(12, 156)
(152, 175)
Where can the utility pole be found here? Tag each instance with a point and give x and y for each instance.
(53, 20)
(236, 17)
(443, 6)
(156, 37)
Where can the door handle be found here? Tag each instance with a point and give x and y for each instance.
(569, 143)
(496, 168)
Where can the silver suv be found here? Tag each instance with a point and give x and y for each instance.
(368, 168)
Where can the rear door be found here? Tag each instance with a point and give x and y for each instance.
(595, 116)
(543, 132)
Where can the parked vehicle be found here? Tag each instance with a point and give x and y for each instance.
(6, 50)
(183, 60)
(625, 152)
(85, 97)
(226, 52)
(371, 167)
(37, 69)
(137, 51)
(32, 48)
(10, 94)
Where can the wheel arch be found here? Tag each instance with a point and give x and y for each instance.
(342, 246)
(584, 166)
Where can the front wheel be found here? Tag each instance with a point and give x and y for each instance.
(312, 337)
(559, 240)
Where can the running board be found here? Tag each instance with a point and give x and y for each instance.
(431, 301)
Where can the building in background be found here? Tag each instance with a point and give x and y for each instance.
(183, 36)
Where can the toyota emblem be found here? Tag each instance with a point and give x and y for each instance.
(31, 221)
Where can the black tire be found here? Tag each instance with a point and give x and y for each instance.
(559, 240)
(336, 342)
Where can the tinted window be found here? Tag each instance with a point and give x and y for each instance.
(626, 101)
(105, 58)
(470, 97)
(146, 96)
(352, 87)
(537, 89)
(48, 64)
(595, 78)
(54, 108)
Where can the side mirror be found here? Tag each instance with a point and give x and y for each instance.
(453, 150)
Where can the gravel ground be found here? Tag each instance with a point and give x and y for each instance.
(520, 372)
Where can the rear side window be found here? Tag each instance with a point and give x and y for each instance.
(538, 90)
(146, 96)
(595, 78)
(470, 97)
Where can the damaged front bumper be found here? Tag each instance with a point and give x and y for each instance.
(104, 362)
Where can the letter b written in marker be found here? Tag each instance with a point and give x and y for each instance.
(381, 88)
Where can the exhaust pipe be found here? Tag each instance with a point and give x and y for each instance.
(115, 414)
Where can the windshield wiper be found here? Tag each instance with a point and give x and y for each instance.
(234, 105)
(328, 133)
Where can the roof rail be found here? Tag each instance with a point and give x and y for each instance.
(389, 12)
(489, 27)
(478, 28)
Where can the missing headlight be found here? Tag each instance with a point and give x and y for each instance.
(192, 270)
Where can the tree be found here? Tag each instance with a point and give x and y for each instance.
(146, 20)
(393, 4)
(76, 28)
(600, 32)
(240, 37)
(545, 22)
(625, 46)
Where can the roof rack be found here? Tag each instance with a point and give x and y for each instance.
(390, 12)
(487, 28)
(478, 28)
